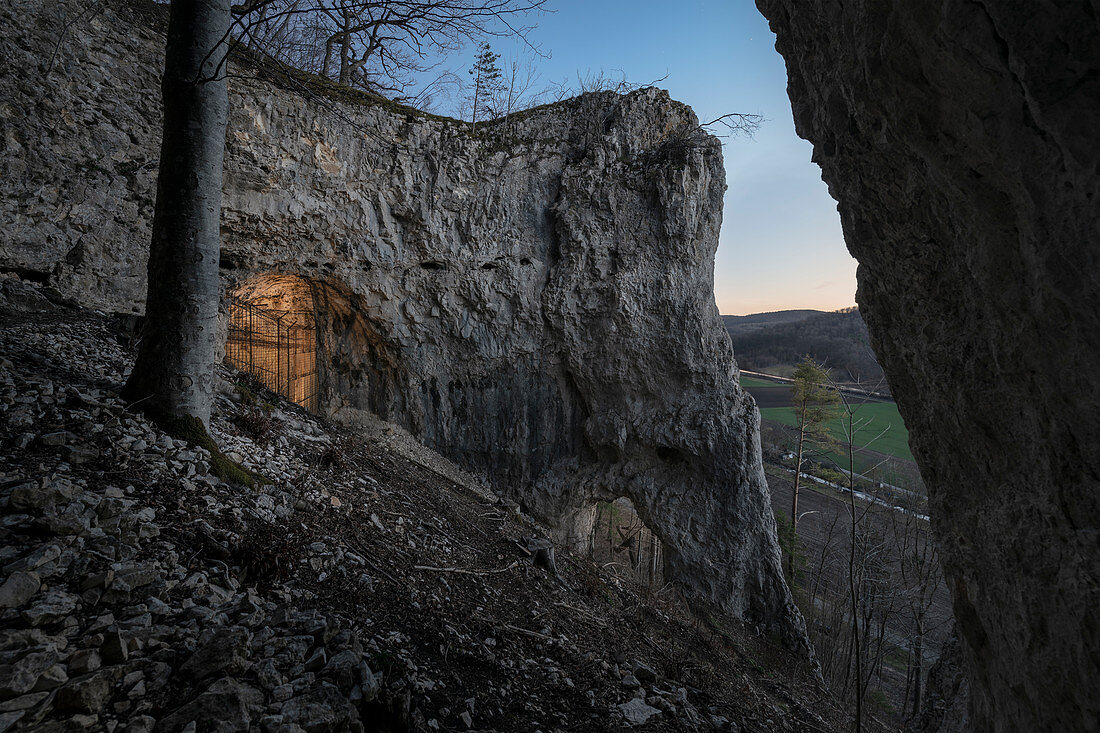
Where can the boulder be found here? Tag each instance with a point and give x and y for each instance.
(320, 709)
(86, 694)
(221, 652)
(227, 706)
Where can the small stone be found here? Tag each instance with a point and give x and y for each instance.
(84, 661)
(644, 672)
(82, 722)
(136, 575)
(86, 694)
(223, 651)
(21, 676)
(61, 437)
(637, 712)
(51, 608)
(114, 649)
(18, 589)
(7, 720)
(321, 708)
(141, 724)
(225, 707)
(53, 677)
(25, 702)
(316, 661)
(342, 669)
(31, 497)
(98, 580)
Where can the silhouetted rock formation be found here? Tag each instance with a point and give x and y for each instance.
(960, 139)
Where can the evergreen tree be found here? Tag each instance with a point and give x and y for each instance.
(488, 82)
(814, 405)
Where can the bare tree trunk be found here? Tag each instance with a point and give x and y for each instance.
(852, 573)
(794, 494)
(174, 372)
(918, 683)
(477, 92)
(326, 64)
(908, 681)
(345, 49)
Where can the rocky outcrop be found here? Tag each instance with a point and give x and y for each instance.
(959, 138)
(534, 302)
(947, 692)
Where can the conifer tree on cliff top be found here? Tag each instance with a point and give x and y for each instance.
(488, 80)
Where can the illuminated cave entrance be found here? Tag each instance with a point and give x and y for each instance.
(273, 336)
(621, 542)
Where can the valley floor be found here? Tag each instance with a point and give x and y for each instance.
(824, 539)
(365, 586)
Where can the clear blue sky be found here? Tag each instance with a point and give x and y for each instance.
(781, 244)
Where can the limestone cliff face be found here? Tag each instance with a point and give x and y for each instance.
(535, 303)
(960, 139)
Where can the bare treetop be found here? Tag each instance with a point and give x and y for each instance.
(379, 45)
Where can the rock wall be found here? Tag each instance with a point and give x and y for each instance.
(959, 138)
(535, 303)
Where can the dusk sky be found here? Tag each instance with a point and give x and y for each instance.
(781, 245)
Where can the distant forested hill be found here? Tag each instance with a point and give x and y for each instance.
(774, 343)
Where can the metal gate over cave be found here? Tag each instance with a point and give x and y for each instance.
(279, 348)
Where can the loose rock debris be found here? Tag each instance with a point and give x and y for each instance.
(358, 590)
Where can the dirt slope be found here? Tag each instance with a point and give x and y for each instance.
(358, 590)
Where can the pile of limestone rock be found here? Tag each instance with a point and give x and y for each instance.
(106, 616)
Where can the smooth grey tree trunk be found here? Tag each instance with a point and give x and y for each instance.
(174, 372)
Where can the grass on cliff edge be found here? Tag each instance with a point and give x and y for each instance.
(757, 382)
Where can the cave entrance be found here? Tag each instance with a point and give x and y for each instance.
(621, 541)
(273, 336)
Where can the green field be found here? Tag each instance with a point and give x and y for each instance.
(757, 382)
(871, 419)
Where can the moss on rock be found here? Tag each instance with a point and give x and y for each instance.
(192, 430)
